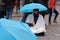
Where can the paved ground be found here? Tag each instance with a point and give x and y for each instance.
(53, 31)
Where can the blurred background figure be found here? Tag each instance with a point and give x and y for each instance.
(52, 7)
(2, 9)
(9, 5)
(17, 5)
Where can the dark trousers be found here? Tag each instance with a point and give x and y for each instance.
(2, 14)
(50, 14)
(25, 16)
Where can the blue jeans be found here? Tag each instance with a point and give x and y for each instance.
(9, 13)
(50, 14)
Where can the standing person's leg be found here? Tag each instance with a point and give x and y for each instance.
(56, 15)
(1, 15)
(50, 15)
(24, 17)
(9, 13)
(25, 14)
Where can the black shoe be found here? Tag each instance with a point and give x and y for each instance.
(40, 34)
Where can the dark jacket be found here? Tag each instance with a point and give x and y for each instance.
(2, 9)
(2, 6)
